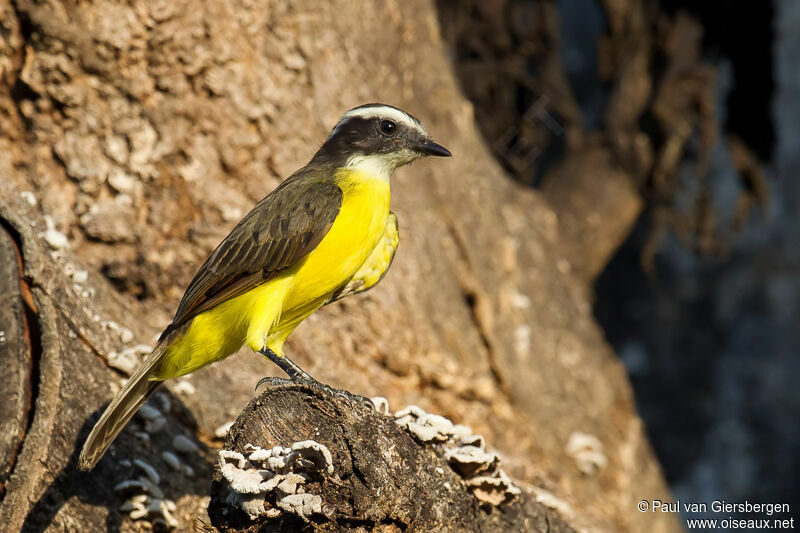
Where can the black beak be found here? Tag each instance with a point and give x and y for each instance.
(428, 147)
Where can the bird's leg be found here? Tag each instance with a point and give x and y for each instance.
(298, 375)
(294, 372)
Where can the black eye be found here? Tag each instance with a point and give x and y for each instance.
(388, 127)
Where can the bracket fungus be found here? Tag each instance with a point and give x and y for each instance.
(270, 481)
(465, 452)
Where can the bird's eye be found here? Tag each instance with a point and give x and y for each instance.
(388, 127)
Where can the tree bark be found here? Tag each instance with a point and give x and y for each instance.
(69, 332)
(143, 132)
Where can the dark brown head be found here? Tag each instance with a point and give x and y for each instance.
(378, 136)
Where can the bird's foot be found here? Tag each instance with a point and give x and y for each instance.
(298, 375)
(349, 396)
(311, 382)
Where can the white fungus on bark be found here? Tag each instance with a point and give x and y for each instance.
(269, 482)
(52, 236)
(222, 431)
(381, 405)
(587, 452)
(128, 359)
(465, 452)
(551, 501)
(29, 198)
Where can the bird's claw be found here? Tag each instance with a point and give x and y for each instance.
(271, 380)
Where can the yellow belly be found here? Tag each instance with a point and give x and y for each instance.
(266, 315)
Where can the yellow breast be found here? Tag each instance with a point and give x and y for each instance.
(351, 239)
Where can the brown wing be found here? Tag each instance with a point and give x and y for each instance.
(280, 230)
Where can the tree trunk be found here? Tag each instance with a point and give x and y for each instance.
(135, 136)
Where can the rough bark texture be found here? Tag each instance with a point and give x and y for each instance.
(69, 334)
(144, 131)
(17, 358)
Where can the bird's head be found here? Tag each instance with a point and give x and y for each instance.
(378, 137)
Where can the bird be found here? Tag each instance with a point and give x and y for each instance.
(324, 233)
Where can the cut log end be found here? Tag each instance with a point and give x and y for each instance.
(301, 458)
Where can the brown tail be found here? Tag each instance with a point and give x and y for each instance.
(121, 409)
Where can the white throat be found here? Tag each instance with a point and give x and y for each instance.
(381, 166)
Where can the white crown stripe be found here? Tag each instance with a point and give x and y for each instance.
(385, 112)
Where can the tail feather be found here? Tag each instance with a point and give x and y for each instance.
(121, 409)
